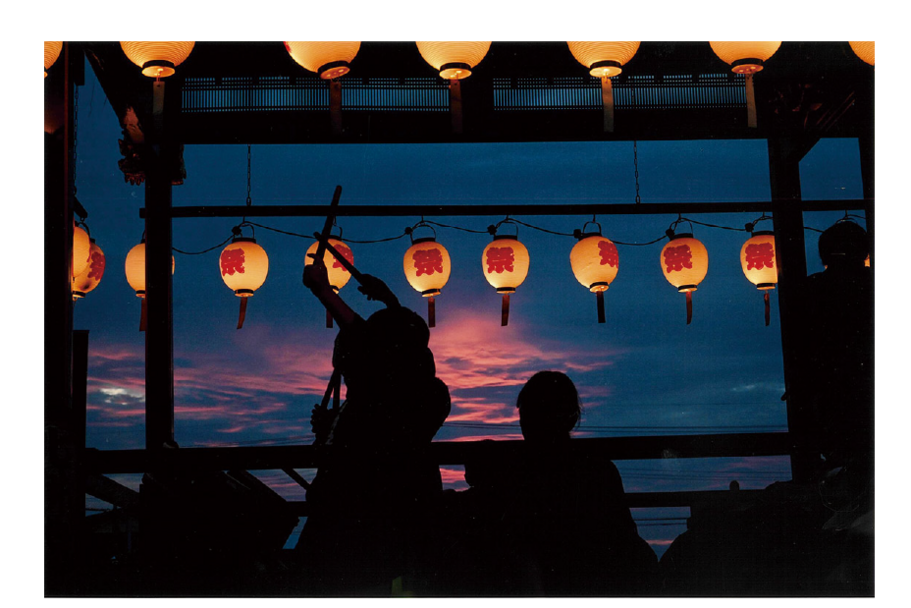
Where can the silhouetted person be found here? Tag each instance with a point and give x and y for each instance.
(553, 522)
(369, 498)
(837, 346)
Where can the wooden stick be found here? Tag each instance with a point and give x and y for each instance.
(327, 226)
(324, 241)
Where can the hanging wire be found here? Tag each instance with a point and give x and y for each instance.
(249, 180)
(636, 165)
(224, 242)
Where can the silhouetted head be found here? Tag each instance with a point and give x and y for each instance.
(843, 245)
(549, 407)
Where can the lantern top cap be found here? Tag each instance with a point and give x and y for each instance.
(424, 239)
(682, 235)
(763, 233)
(243, 239)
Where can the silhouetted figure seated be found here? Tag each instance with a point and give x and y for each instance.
(552, 522)
(369, 498)
(812, 537)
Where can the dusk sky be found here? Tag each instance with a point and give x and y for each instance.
(643, 372)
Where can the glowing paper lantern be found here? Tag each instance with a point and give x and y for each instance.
(157, 59)
(338, 274)
(328, 59)
(746, 58)
(135, 268)
(52, 52)
(454, 61)
(81, 250)
(604, 60)
(685, 262)
(595, 262)
(757, 258)
(427, 266)
(89, 278)
(864, 50)
(244, 266)
(505, 262)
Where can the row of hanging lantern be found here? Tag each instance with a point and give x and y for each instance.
(594, 259)
(454, 62)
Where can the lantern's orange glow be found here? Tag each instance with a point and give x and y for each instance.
(867, 261)
(81, 250)
(595, 262)
(157, 59)
(758, 260)
(864, 50)
(427, 267)
(244, 266)
(603, 59)
(745, 57)
(684, 262)
(89, 278)
(338, 274)
(505, 261)
(328, 59)
(135, 268)
(454, 60)
(52, 52)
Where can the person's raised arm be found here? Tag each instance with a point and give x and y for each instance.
(316, 279)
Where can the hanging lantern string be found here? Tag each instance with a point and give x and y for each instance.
(636, 165)
(249, 180)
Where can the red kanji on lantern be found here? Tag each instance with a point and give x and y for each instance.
(609, 255)
(678, 258)
(500, 259)
(232, 260)
(427, 261)
(760, 255)
(346, 253)
(97, 269)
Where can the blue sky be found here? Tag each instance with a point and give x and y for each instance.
(643, 372)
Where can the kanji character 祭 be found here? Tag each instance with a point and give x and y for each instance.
(500, 259)
(678, 258)
(427, 261)
(346, 253)
(608, 253)
(97, 269)
(760, 255)
(232, 260)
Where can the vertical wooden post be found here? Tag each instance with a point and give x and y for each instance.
(159, 295)
(63, 504)
(784, 175)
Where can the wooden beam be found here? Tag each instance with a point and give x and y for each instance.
(108, 490)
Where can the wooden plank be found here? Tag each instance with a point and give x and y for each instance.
(108, 490)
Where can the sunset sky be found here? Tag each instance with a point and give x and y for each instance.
(644, 372)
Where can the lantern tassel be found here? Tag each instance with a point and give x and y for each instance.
(431, 312)
(601, 316)
(751, 102)
(328, 319)
(335, 106)
(765, 297)
(607, 100)
(142, 315)
(455, 105)
(504, 315)
(243, 312)
(689, 307)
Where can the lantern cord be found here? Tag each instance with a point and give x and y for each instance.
(765, 297)
(454, 227)
(249, 179)
(536, 227)
(636, 165)
(658, 240)
(224, 242)
(689, 307)
(243, 312)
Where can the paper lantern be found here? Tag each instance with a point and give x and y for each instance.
(864, 50)
(758, 260)
(52, 52)
(604, 60)
(338, 274)
(505, 262)
(244, 266)
(89, 278)
(685, 262)
(81, 250)
(595, 262)
(157, 59)
(454, 61)
(328, 59)
(135, 268)
(746, 58)
(427, 266)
